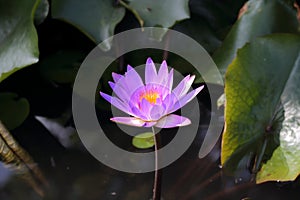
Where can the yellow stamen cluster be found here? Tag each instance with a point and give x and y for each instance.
(150, 95)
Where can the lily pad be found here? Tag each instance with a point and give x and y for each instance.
(95, 18)
(161, 13)
(13, 110)
(261, 17)
(157, 13)
(18, 37)
(143, 140)
(260, 82)
(284, 164)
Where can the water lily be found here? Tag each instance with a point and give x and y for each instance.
(151, 103)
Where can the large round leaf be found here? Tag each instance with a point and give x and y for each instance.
(159, 13)
(261, 17)
(18, 37)
(261, 81)
(284, 164)
(96, 18)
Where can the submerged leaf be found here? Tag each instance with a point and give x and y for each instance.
(13, 110)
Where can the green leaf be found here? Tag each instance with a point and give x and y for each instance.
(95, 18)
(18, 37)
(143, 140)
(157, 13)
(62, 66)
(257, 89)
(284, 164)
(261, 18)
(13, 110)
(161, 13)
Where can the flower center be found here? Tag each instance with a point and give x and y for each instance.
(150, 95)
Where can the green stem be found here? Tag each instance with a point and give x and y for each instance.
(158, 172)
(260, 156)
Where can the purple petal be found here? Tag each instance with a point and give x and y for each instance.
(129, 68)
(156, 112)
(168, 102)
(132, 81)
(132, 121)
(137, 113)
(139, 110)
(185, 99)
(120, 91)
(158, 101)
(163, 70)
(169, 83)
(111, 84)
(150, 72)
(116, 102)
(116, 77)
(184, 86)
(172, 120)
(122, 87)
(180, 87)
(145, 108)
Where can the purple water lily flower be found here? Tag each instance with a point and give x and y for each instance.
(152, 103)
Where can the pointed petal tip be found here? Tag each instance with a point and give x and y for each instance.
(150, 72)
(163, 66)
(164, 63)
(200, 88)
(116, 77)
(192, 78)
(129, 68)
(105, 96)
(101, 93)
(111, 84)
(186, 78)
(149, 60)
